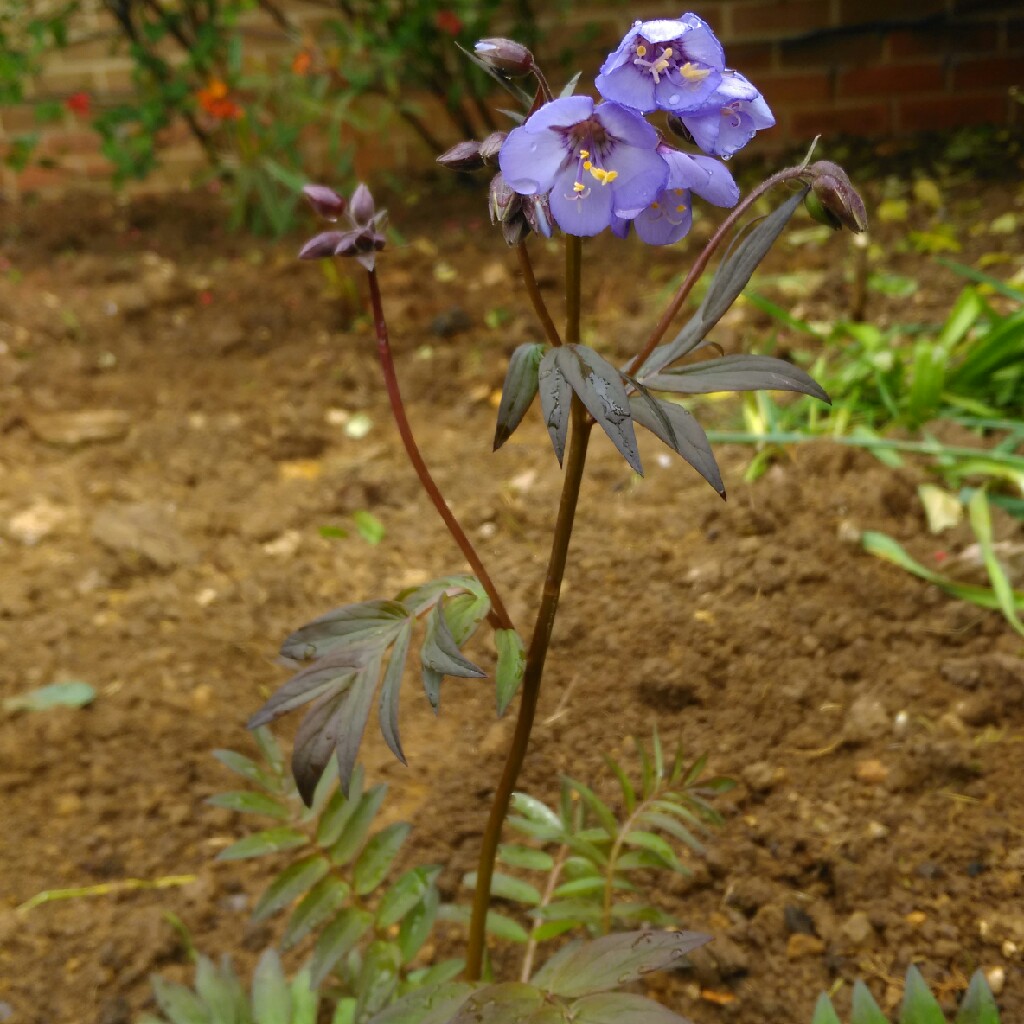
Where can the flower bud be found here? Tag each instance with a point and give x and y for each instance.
(361, 205)
(818, 212)
(538, 214)
(491, 147)
(321, 245)
(676, 127)
(515, 229)
(502, 202)
(463, 156)
(837, 196)
(325, 201)
(505, 55)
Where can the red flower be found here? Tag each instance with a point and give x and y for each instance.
(79, 103)
(214, 100)
(449, 22)
(302, 63)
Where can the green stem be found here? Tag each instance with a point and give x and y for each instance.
(499, 615)
(539, 643)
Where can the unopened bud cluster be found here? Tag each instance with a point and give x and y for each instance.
(833, 200)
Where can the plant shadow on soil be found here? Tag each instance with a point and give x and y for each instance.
(163, 556)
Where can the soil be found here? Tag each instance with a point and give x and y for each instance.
(161, 551)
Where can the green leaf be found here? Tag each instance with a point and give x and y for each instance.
(378, 978)
(441, 653)
(981, 523)
(535, 811)
(621, 1008)
(672, 827)
(305, 999)
(319, 904)
(597, 807)
(511, 1002)
(552, 929)
(405, 894)
(179, 1004)
(337, 939)
(368, 526)
(511, 666)
(379, 854)
(417, 925)
(295, 881)
(518, 391)
(437, 974)
(579, 887)
(864, 1009)
(436, 1004)
(628, 792)
(507, 888)
(271, 998)
(613, 961)
(824, 1011)
(339, 809)
(351, 840)
(220, 990)
(390, 690)
(246, 802)
(72, 694)
(919, 1005)
(580, 912)
(273, 840)
(525, 857)
(979, 1005)
(497, 924)
(373, 623)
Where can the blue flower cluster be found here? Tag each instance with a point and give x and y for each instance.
(602, 165)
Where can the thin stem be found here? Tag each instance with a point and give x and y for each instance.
(539, 643)
(549, 891)
(498, 613)
(700, 265)
(536, 299)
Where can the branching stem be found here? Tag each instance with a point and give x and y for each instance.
(538, 650)
(499, 616)
(536, 299)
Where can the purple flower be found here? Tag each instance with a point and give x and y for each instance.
(670, 216)
(366, 235)
(592, 162)
(729, 119)
(671, 65)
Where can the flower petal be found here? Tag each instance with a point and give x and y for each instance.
(640, 175)
(665, 223)
(580, 213)
(529, 161)
(720, 188)
(623, 52)
(701, 44)
(560, 113)
(679, 94)
(626, 125)
(629, 86)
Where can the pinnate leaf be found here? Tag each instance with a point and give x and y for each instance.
(378, 855)
(507, 887)
(401, 897)
(436, 1004)
(247, 802)
(271, 996)
(518, 391)
(621, 1008)
(336, 940)
(179, 1004)
(357, 826)
(417, 925)
(316, 907)
(295, 881)
(272, 840)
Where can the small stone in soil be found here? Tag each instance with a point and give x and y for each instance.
(872, 772)
(800, 946)
(857, 929)
(798, 921)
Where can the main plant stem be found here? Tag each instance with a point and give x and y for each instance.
(539, 643)
(499, 615)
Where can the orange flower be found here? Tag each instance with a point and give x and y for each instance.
(214, 101)
(302, 63)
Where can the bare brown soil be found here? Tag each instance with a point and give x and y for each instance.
(874, 725)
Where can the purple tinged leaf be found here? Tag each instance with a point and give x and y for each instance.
(511, 1002)
(601, 389)
(742, 372)
(315, 742)
(621, 1008)
(555, 401)
(389, 692)
(613, 961)
(369, 622)
(435, 1005)
(418, 599)
(353, 717)
(441, 653)
(328, 676)
(681, 432)
(518, 391)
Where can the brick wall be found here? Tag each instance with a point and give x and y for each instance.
(866, 67)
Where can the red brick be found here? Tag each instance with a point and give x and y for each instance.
(783, 89)
(891, 80)
(857, 12)
(988, 72)
(1015, 35)
(941, 112)
(779, 18)
(750, 57)
(831, 51)
(49, 180)
(826, 121)
(944, 39)
(57, 142)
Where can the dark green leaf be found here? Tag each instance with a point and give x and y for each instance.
(437, 974)
(979, 1006)
(518, 391)
(580, 887)
(676, 426)
(555, 401)
(613, 961)
(372, 623)
(497, 924)
(417, 925)
(601, 389)
(435, 1004)
(273, 840)
(507, 887)
(379, 854)
(295, 881)
(621, 1008)
(511, 665)
(919, 1005)
(339, 809)
(388, 712)
(319, 904)
(250, 803)
(405, 894)
(525, 857)
(337, 939)
(864, 1009)
(271, 998)
(742, 372)
(351, 840)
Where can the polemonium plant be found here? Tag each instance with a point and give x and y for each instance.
(574, 166)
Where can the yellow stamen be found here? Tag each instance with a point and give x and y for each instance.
(678, 191)
(610, 176)
(641, 50)
(655, 205)
(666, 53)
(693, 73)
(587, 165)
(584, 153)
(579, 187)
(681, 208)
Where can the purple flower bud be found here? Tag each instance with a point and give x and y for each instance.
(361, 206)
(502, 201)
(322, 245)
(515, 229)
(505, 55)
(325, 201)
(490, 148)
(463, 156)
(834, 190)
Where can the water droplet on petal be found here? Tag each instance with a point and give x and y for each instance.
(674, 98)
